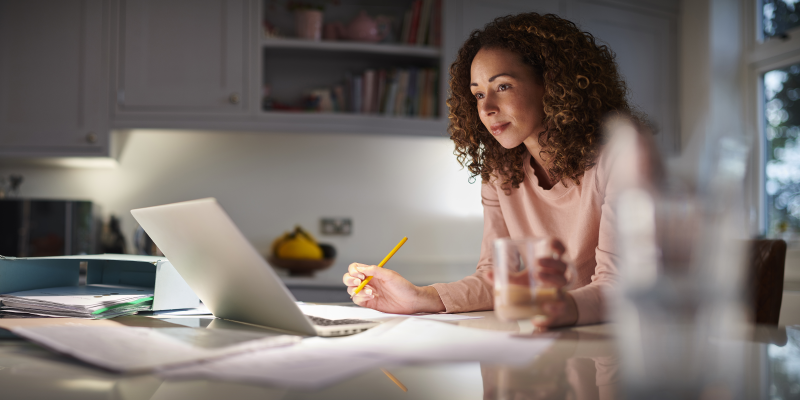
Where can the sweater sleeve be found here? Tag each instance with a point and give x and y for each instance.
(475, 292)
(591, 300)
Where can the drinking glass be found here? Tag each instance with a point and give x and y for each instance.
(518, 294)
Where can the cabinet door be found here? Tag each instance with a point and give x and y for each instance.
(53, 77)
(182, 56)
(646, 49)
(464, 16)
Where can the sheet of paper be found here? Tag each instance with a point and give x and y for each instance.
(130, 349)
(445, 317)
(303, 366)
(417, 339)
(349, 312)
(318, 362)
(13, 323)
(202, 310)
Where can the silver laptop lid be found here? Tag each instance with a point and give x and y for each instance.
(231, 278)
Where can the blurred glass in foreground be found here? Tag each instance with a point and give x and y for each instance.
(518, 294)
(681, 246)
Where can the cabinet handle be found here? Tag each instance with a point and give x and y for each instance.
(91, 137)
(234, 98)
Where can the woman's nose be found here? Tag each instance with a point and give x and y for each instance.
(488, 106)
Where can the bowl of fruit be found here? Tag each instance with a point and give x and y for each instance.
(300, 254)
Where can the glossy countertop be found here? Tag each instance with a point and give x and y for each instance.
(583, 363)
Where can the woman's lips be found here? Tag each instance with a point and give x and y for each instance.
(497, 129)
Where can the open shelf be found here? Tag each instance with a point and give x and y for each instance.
(354, 47)
(280, 121)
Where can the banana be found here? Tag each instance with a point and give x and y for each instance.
(298, 244)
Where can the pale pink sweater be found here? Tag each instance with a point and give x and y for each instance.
(580, 216)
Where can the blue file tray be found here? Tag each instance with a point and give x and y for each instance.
(171, 292)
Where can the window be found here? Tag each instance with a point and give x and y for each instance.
(778, 16)
(782, 155)
(774, 60)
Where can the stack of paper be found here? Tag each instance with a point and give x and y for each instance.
(92, 301)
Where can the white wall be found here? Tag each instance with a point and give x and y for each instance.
(390, 186)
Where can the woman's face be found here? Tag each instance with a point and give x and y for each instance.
(509, 97)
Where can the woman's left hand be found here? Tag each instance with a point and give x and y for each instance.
(552, 272)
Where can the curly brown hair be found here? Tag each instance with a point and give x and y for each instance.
(581, 85)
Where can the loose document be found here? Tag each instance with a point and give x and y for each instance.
(89, 302)
(318, 362)
(332, 312)
(132, 349)
(356, 312)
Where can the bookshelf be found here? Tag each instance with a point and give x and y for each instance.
(353, 47)
(321, 86)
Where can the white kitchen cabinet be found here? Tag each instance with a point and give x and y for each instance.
(54, 78)
(202, 64)
(179, 59)
(71, 69)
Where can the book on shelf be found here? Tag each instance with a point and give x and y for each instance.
(412, 107)
(404, 34)
(391, 93)
(433, 105)
(416, 10)
(339, 100)
(402, 91)
(368, 91)
(424, 89)
(424, 21)
(435, 30)
(358, 83)
(377, 106)
(347, 99)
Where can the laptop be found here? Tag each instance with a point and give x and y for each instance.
(228, 274)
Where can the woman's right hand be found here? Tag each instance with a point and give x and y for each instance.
(389, 292)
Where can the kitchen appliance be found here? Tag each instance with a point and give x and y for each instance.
(43, 228)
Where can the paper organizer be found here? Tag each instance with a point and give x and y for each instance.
(171, 292)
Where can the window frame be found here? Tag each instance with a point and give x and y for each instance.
(761, 56)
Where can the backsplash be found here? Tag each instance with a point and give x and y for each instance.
(390, 186)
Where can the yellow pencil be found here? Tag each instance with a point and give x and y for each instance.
(395, 380)
(388, 256)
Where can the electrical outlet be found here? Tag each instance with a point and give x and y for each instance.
(336, 226)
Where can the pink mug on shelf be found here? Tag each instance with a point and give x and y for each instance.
(308, 24)
(363, 28)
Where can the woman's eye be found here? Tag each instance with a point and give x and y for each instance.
(478, 95)
(503, 87)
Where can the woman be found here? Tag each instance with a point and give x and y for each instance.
(529, 93)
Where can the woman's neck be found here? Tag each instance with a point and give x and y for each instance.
(537, 163)
(545, 181)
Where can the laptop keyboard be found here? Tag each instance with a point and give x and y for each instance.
(332, 322)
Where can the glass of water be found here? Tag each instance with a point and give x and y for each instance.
(518, 293)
